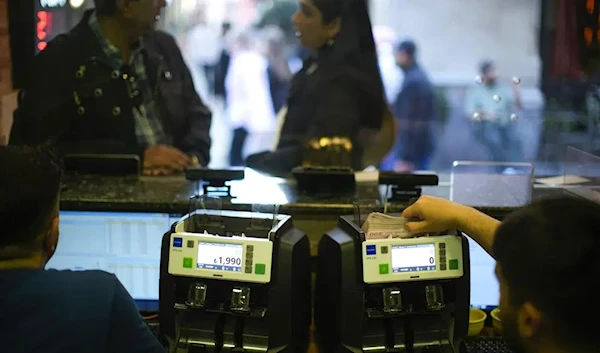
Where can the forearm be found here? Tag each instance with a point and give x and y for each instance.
(477, 225)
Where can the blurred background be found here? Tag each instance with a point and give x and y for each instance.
(545, 50)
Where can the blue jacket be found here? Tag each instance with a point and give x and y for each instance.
(416, 112)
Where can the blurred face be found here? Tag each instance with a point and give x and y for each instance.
(403, 60)
(143, 14)
(520, 324)
(310, 29)
(490, 76)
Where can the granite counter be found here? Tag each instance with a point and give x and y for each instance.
(172, 195)
(312, 214)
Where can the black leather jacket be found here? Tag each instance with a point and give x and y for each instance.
(73, 73)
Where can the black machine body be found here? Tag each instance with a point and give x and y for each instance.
(369, 297)
(406, 187)
(235, 281)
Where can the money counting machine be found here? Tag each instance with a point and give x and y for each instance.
(235, 282)
(391, 295)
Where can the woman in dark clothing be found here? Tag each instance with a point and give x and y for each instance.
(338, 92)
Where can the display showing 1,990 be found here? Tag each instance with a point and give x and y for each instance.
(233, 261)
(219, 256)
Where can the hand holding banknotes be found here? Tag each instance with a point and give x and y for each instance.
(383, 226)
(431, 215)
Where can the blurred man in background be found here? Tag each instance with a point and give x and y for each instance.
(249, 105)
(415, 111)
(492, 105)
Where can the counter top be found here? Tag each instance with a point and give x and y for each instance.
(172, 195)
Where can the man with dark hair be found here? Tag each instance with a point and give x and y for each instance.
(415, 111)
(547, 267)
(47, 310)
(115, 85)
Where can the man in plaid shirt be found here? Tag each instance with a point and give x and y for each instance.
(114, 84)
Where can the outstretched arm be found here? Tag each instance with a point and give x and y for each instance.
(432, 214)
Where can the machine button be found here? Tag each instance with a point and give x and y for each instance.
(190, 243)
(442, 252)
(453, 264)
(249, 248)
(259, 269)
(248, 269)
(442, 259)
(442, 245)
(177, 242)
(188, 262)
(384, 249)
(371, 249)
(384, 269)
(442, 267)
(248, 262)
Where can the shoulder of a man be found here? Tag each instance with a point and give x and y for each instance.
(127, 330)
(60, 48)
(57, 60)
(162, 40)
(91, 281)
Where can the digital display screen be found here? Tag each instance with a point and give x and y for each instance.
(413, 258)
(219, 256)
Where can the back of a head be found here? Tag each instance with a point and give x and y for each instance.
(547, 252)
(29, 188)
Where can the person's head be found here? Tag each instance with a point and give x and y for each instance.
(488, 73)
(244, 41)
(405, 53)
(548, 271)
(274, 39)
(318, 22)
(137, 16)
(30, 181)
(225, 28)
(340, 31)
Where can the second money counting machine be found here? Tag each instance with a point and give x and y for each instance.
(391, 295)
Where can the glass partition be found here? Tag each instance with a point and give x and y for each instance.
(582, 174)
(501, 84)
(491, 184)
